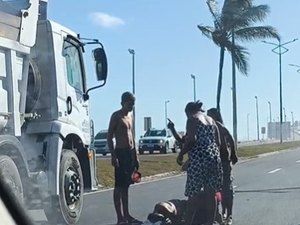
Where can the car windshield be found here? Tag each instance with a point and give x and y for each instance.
(155, 133)
(200, 101)
(101, 135)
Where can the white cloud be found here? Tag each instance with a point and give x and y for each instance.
(106, 20)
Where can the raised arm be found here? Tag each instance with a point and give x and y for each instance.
(171, 126)
(190, 139)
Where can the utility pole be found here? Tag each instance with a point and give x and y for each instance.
(132, 52)
(280, 50)
(257, 118)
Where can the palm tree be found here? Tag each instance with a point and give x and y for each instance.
(236, 21)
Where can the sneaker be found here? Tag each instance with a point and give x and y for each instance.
(229, 220)
(224, 216)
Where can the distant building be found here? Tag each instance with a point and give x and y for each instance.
(274, 130)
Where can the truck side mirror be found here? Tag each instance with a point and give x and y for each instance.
(100, 63)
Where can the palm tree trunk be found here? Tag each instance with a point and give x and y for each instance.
(234, 104)
(220, 78)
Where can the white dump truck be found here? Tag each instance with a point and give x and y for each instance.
(45, 124)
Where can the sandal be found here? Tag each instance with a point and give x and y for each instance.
(132, 220)
(123, 222)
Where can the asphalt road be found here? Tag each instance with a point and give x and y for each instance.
(268, 190)
(267, 193)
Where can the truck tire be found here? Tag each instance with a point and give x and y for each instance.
(66, 209)
(165, 150)
(174, 149)
(10, 175)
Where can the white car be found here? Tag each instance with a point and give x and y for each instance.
(157, 140)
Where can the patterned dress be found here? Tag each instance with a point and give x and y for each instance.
(204, 168)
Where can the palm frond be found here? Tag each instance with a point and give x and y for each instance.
(240, 56)
(258, 32)
(206, 30)
(256, 13)
(232, 9)
(243, 16)
(220, 37)
(214, 10)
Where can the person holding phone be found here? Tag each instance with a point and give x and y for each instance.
(204, 170)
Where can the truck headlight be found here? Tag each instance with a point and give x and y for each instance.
(141, 141)
(161, 141)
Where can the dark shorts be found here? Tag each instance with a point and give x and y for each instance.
(126, 167)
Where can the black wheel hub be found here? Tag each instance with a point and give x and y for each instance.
(72, 187)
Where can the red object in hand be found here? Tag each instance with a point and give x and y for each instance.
(136, 176)
(218, 196)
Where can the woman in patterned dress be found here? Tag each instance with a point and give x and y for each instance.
(204, 172)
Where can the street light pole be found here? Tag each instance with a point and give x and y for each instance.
(194, 83)
(280, 47)
(293, 128)
(257, 119)
(132, 52)
(166, 112)
(270, 109)
(248, 114)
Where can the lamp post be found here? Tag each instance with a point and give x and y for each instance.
(194, 84)
(166, 112)
(270, 109)
(248, 114)
(257, 119)
(281, 50)
(132, 52)
(284, 114)
(293, 128)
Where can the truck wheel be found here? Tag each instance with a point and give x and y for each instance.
(69, 206)
(174, 149)
(165, 149)
(10, 175)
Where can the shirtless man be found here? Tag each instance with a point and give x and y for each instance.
(123, 156)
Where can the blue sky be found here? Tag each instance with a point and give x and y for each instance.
(169, 48)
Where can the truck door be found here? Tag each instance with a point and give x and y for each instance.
(77, 108)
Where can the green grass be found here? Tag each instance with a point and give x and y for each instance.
(157, 164)
(254, 150)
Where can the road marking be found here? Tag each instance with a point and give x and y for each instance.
(298, 161)
(274, 171)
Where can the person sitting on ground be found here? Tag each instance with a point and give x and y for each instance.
(169, 212)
